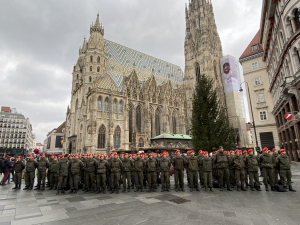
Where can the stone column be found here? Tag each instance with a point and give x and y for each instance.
(293, 23)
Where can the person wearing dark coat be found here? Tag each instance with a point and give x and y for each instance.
(6, 169)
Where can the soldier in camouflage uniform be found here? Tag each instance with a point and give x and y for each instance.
(53, 169)
(193, 167)
(74, 167)
(19, 167)
(115, 166)
(31, 165)
(83, 172)
(43, 164)
(102, 167)
(133, 172)
(222, 161)
(178, 163)
(127, 164)
(207, 167)
(200, 172)
(90, 169)
(139, 165)
(252, 166)
(239, 167)
(63, 171)
(267, 165)
(164, 166)
(231, 170)
(151, 167)
(284, 165)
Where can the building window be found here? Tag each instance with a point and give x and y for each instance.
(157, 122)
(117, 137)
(115, 106)
(91, 68)
(255, 47)
(99, 103)
(106, 104)
(263, 115)
(121, 106)
(141, 142)
(138, 118)
(98, 69)
(257, 81)
(77, 76)
(101, 137)
(255, 65)
(91, 58)
(174, 123)
(130, 124)
(260, 98)
(90, 79)
(98, 59)
(197, 69)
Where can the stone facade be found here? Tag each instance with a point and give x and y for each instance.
(122, 98)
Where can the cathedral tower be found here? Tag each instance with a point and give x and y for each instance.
(202, 48)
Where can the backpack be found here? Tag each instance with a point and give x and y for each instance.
(216, 184)
(2, 165)
(280, 188)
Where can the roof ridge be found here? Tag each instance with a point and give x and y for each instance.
(143, 53)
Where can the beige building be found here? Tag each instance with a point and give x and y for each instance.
(121, 98)
(54, 141)
(256, 76)
(279, 37)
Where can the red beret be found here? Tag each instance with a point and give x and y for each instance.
(236, 151)
(155, 153)
(8, 157)
(126, 153)
(244, 151)
(138, 153)
(250, 150)
(106, 156)
(240, 151)
(274, 149)
(265, 149)
(75, 155)
(282, 150)
(115, 153)
(150, 154)
(231, 151)
(31, 155)
(43, 153)
(19, 156)
(199, 151)
(95, 153)
(129, 155)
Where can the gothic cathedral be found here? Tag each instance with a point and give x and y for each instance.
(121, 98)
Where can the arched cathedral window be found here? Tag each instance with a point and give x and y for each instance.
(98, 59)
(99, 103)
(130, 124)
(174, 123)
(157, 122)
(141, 142)
(106, 104)
(91, 68)
(197, 69)
(138, 118)
(121, 106)
(90, 79)
(115, 105)
(98, 69)
(101, 137)
(117, 137)
(91, 58)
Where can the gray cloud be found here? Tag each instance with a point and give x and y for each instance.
(40, 41)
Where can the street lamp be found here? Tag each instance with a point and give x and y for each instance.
(241, 89)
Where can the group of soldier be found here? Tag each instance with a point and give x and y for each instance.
(102, 173)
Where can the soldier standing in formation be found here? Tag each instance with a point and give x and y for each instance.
(127, 164)
(164, 166)
(30, 167)
(115, 166)
(178, 163)
(222, 161)
(207, 168)
(266, 163)
(43, 165)
(19, 167)
(63, 172)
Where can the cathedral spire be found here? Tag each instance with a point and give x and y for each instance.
(97, 27)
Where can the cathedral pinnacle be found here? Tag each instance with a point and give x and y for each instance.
(97, 27)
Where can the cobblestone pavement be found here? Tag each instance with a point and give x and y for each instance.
(44, 207)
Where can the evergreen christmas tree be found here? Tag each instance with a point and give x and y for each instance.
(210, 124)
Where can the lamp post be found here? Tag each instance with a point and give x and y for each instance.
(241, 89)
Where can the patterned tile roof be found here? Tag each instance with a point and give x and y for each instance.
(122, 60)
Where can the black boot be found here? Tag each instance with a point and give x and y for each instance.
(221, 188)
(43, 187)
(197, 188)
(273, 188)
(128, 189)
(136, 190)
(19, 187)
(75, 191)
(267, 188)
(258, 188)
(16, 187)
(211, 189)
(149, 189)
(124, 189)
(50, 188)
(37, 188)
(117, 191)
(104, 191)
(183, 189)
(243, 188)
(238, 188)
(291, 188)
(112, 191)
(205, 189)
(191, 189)
(162, 188)
(26, 188)
(98, 191)
(30, 188)
(252, 188)
(54, 188)
(142, 189)
(284, 189)
(71, 191)
(228, 188)
(63, 191)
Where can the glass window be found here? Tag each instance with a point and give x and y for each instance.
(121, 106)
(255, 65)
(255, 47)
(263, 115)
(260, 98)
(106, 104)
(257, 81)
(99, 103)
(101, 137)
(117, 137)
(115, 106)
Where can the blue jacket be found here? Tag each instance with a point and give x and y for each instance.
(8, 165)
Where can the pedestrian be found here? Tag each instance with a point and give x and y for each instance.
(6, 167)
(239, 167)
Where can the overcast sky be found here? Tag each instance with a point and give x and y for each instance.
(39, 42)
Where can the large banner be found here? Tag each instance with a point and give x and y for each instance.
(230, 73)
